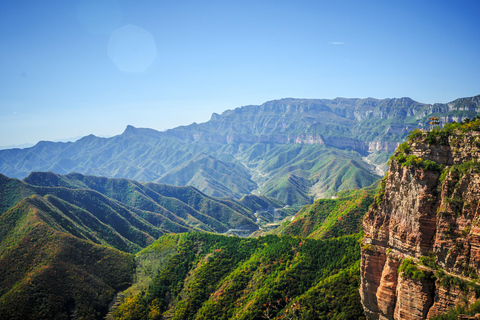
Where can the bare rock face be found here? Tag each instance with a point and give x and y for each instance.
(414, 298)
(428, 214)
(386, 293)
(371, 269)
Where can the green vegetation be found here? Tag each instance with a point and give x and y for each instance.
(149, 207)
(66, 241)
(453, 313)
(449, 281)
(459, 170)
(410, 270)
(441, 135)
(12, 191)
(381, 190)
(437, 136)
(327, 218)
(414, 161)
(213, 176)
(296, 173)
(61, 253)
(367, 247)
(217, 277)
(429, 261)
(405, 159)
(46, 273)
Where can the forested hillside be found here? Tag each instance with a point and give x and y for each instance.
(49, 271)
(206, 276)
(66, 242)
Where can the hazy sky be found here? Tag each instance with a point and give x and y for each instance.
(72, 68)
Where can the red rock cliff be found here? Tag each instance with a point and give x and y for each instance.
(421, 252)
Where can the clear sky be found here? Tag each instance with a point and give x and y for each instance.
(79, 67)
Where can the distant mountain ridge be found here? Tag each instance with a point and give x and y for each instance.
(292, 149)
(312, 120)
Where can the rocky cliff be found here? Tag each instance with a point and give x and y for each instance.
(421, 251)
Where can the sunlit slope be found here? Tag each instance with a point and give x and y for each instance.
(66, 242)
(327, 218)
(200, 276)
(157, 203)
(299, 173)
(205, 276)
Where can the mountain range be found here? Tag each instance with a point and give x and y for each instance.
(294, 150)
(76, 246)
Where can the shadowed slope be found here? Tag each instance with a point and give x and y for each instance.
(47, 273)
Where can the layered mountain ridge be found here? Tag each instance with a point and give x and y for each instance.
(421, 252)
(274, 149)
(129, 215)
(67, 241)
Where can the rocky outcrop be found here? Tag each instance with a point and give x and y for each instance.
(386, 146)
(421, 252)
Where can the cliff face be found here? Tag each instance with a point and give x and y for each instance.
(421, 252)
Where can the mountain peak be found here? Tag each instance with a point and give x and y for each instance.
(87, 139)
(129, 129)
(215, 116)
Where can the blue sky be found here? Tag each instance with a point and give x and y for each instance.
(73, 68)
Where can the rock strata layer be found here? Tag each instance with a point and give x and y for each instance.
(421, 252)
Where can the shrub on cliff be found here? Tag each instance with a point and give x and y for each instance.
(441, 135)
(413, 161)
(409, 269)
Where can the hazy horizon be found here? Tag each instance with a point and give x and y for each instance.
(70, 69)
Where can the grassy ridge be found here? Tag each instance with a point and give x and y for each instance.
(327, 218)
(152, 207)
